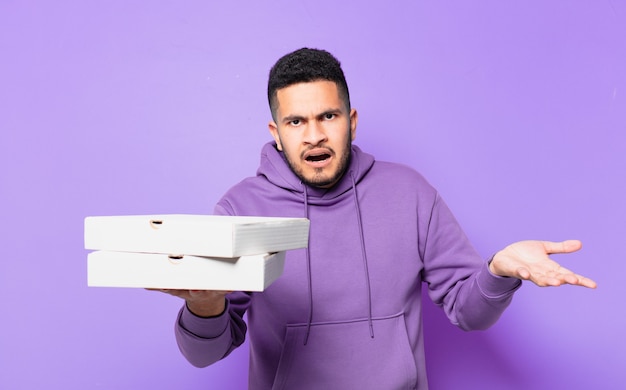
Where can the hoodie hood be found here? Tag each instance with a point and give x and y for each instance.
(275, 168)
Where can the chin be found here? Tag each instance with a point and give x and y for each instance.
(319, 181)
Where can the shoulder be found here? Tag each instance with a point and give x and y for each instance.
(240, 193)
(258, 196)
(397, 174)
(248, 186)
(398, 182)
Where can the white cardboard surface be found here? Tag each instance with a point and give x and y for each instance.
(150, 270)
(200, 235)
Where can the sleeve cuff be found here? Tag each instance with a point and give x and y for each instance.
(495, 286)
(204, 327)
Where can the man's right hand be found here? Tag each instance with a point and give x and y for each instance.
(203, 303)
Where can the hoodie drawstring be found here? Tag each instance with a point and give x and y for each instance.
(363, 256)
(308, 272)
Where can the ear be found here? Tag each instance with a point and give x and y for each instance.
(354, 118)
(273, 128)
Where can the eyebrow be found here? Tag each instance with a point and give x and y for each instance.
(334, 111)
(290, 118)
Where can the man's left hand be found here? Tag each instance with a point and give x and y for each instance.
(528, 260)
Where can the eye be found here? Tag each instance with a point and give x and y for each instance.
(329, 116)
(295, 122)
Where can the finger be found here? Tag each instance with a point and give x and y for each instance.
(555, 280)
(163, 290)
(570, 277)
(574, 280)
(567, 246)
(586, 282)
(184, 294)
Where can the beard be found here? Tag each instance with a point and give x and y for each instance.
(319, 179)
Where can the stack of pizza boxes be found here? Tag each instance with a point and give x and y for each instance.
(194, 252)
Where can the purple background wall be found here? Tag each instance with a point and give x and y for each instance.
(515, 111)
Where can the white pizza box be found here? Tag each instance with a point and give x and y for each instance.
(199, 235)
(155, 270)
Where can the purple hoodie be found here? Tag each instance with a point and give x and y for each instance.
(347, 311)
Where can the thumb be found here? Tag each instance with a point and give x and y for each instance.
(567, 246)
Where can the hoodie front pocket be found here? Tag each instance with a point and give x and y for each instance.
(343, 355)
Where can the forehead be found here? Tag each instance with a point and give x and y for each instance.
(309, 98)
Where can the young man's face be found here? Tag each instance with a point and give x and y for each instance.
(315, 131)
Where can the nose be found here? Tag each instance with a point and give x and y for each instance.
(315, 133)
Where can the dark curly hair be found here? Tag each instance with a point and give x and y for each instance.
(303, 66)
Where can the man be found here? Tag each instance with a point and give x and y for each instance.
(346, 314)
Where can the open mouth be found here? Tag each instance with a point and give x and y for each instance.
(315, 157)
(318, 157)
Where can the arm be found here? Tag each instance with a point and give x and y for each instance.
(473, 293)
(205, 333)
(458, 279)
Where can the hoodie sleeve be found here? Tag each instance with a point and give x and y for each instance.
(204, 341)
(458, 279)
